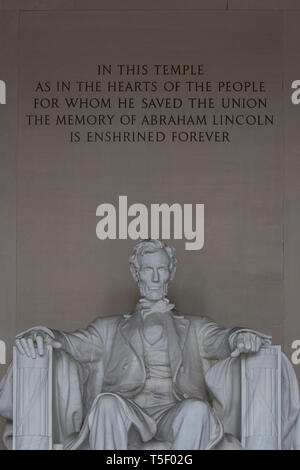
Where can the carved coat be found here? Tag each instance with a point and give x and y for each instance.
(111, 348)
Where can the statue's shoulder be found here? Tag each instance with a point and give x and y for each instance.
(195, 320)
(108, 322)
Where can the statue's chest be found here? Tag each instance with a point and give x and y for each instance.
(153, 333)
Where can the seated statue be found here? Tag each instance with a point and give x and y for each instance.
(145, 375)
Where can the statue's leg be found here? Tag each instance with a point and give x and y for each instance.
(110, 420)
(190, 424)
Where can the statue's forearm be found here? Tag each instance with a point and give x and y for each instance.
(67, 343)
(82, 345)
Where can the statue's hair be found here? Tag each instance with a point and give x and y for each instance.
(151, 246)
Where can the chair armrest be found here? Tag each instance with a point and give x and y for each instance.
(32, 401)
(261, 399)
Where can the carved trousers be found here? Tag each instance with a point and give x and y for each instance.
(188, 424)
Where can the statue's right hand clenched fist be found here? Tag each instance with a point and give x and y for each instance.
(33, 341)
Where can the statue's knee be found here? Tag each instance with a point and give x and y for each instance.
(108, 404)
(106, 409)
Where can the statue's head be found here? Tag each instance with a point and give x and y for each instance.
(153, 266)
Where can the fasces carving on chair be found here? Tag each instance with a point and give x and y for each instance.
(32, 404)
(261, 399)
(153, 378)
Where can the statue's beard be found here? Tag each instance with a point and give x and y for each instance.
(153, 293)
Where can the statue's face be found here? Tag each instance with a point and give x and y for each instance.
(154, 275)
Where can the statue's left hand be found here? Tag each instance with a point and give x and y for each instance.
(247, 343)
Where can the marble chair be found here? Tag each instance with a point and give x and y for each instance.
(257, 422)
